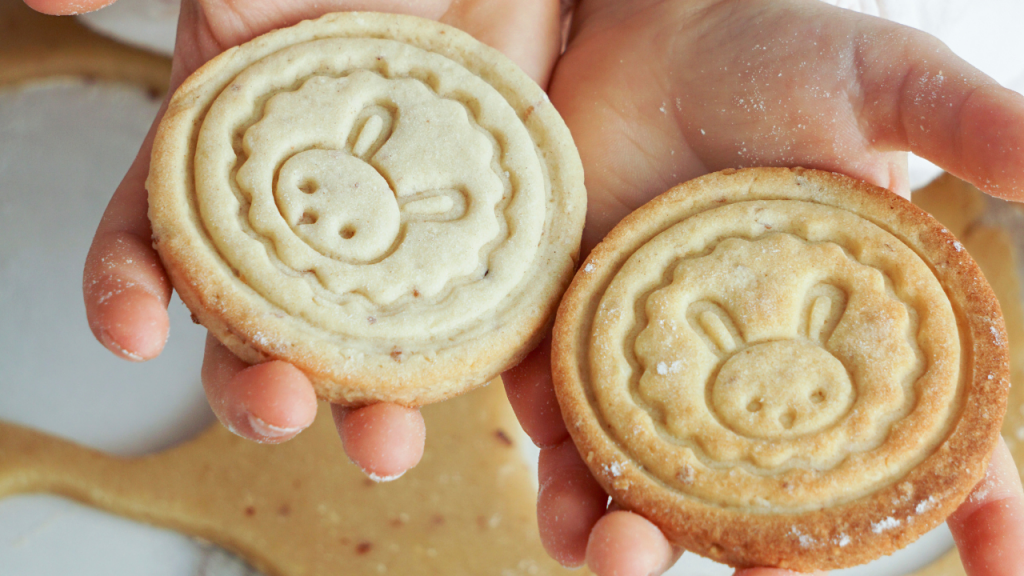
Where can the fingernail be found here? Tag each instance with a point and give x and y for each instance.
(113, 346)
(269, 431)
(379, 479)
(133, 324)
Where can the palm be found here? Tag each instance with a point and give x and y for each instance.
(664, 93)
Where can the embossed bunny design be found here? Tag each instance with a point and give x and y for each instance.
(358, 177)
(779, 388)
(772, 361)
(340, 204)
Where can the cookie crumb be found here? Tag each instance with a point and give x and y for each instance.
(805, 540)
(924, 505)
(614, 469)
(685, 474)
(883, 525)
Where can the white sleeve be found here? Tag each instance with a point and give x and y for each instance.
(985, 33)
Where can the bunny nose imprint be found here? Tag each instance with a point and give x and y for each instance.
(781, 389)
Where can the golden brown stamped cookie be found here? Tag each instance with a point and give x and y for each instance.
(783, 368)
(381, 200)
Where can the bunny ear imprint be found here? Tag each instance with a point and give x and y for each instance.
(827, 304)
(366, 197)
(782, 365)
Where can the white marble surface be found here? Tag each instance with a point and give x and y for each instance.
(148, 24)
(63, 148)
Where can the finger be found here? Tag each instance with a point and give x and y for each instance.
(532, 396)
(67, 7)
(266, 403)
(920, 96)
(529, 32)
(989, 526)
(125, 287)
(899, 174)
(569, 503)
(384, 440)
(626, 544)
(232, 23)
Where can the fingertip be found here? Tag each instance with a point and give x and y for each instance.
(989, 526)
(277, 394)
(992, 124)
(267, 403)
(384, 440)
(626, 544)
(564, 522)
(67, 7)
(126, 294)
(131, 323)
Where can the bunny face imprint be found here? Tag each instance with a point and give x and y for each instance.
(371, 170)
(340, 203)
(781, 389)
(768, 379)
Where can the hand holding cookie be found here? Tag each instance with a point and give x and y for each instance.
(659, 93)
(273, 401)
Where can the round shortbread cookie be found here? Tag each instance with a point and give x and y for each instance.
(783, 368)
(381, 200)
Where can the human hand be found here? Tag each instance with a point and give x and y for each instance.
(659, 92)
(127, 290)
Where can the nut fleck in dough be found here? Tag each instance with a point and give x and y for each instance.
(783, 368)
(380, 200)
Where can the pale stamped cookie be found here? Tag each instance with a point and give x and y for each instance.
(783, 368)
(381, 200)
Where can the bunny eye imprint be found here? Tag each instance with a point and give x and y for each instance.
(782, 368)
(380, 200)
